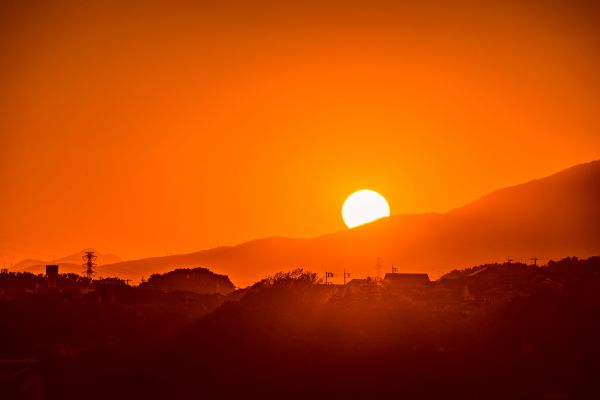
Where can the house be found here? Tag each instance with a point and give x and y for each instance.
(406, 280)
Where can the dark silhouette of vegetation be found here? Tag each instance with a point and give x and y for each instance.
(197, 280)
(493, 331)
(295, 277)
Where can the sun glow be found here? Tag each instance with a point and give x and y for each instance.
(363, 207)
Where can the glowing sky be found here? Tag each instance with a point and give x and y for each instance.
(149, 128)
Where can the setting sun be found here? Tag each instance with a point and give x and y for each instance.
(363, 207)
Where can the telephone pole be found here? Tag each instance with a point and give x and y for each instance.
(378, 266)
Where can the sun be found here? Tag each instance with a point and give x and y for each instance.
(364, 206)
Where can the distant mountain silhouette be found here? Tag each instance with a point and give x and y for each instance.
(69, 264)
(552, 217)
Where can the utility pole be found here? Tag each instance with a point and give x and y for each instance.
(379, 266)
(536, 259)
(346, 275)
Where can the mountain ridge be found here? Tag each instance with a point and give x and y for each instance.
(549, 217)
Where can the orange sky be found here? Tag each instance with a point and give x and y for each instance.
(147, 128)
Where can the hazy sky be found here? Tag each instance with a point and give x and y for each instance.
(149, 128)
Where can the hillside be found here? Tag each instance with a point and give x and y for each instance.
(517, 328)
(552, 217)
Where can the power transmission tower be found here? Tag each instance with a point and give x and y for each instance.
(89, 264)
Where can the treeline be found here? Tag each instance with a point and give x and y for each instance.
(21, 284)
(197, 280)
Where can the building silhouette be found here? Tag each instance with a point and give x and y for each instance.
(52, 275)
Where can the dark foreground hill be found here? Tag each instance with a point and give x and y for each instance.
(547, 218)
(497, 331)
